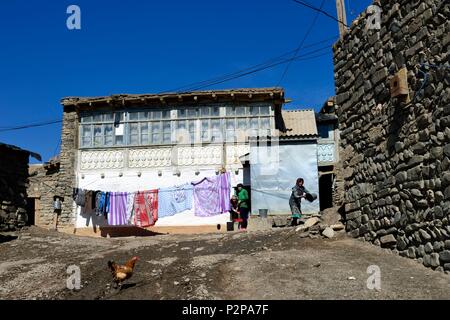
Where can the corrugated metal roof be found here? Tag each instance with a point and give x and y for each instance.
(301, 123)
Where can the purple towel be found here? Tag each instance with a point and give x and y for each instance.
(117, 209)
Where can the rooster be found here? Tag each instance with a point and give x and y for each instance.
(121, 273)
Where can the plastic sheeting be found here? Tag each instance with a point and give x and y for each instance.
(274, 170)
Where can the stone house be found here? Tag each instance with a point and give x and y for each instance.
(13, 187)
(137, 142)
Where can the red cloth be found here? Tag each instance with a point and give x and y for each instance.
(146, 208)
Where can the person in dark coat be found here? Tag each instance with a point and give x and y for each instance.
(298, 192)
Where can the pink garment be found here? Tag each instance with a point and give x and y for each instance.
(146, 208)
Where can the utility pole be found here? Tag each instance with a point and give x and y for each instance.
(342, 17)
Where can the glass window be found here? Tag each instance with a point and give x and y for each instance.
(156, 132)
(156, 114)
(205, 112)
(119, 140)
(144, 115)
(240, 111)
(205, 130)
(254, 111)
(86, 119)
(192, 113)
(192, 124)
(134, 134)
(109, 136)
(118, 117)
(166, 114)
(98, 135)
(181, 113)
(86, 135)
(215, 130)
(133, 116)
(254, 123)
(265, 126)
(230, 130)
(215, 111)
(167, 132)
(144, 133)
(230, 111)
(242, 124)
(98, 117)
(264, 110)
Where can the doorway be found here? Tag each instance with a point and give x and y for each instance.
(326, 191)
(31, 211)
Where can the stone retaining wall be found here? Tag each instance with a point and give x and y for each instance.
(396, 155)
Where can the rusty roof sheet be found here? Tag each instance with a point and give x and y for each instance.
(299, 123)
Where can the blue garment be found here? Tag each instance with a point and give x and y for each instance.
(102, 203)
(174, 200)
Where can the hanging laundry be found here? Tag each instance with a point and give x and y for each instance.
(212, 195)
(88, 200)
(118, 209)
(225, 191)
(79, 196)
(130, 207)
(174, 200)
(145, 208)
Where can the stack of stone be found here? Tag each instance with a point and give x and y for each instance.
(395, 153)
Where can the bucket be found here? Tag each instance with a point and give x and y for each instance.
(230, 226)
(311, 197)
(263, 213)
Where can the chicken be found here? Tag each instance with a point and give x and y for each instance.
(121, 273)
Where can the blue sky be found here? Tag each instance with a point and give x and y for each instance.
(137, 46)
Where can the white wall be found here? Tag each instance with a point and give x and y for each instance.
(274, 171)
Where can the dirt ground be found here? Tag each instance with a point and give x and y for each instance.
(277, 264)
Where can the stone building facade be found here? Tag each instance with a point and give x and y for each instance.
(137, 142)
(13, 187)
(396, 148)
(44, 187)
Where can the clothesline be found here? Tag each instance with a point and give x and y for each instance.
(209, 197)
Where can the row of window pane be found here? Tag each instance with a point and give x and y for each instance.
(163, 132)
(200, 112)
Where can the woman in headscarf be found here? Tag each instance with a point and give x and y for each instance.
(298, 192)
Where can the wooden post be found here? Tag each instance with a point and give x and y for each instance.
(342, 16)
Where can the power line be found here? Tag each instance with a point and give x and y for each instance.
(320, 10)
(299, 58)
(27, 126)
(301, 43)
(240, 73)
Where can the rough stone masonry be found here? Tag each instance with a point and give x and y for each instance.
(396, 154)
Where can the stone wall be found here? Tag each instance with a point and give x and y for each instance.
(396, 155)
(13, 188)
(43, 186)
(66, 178)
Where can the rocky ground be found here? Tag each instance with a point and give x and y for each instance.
(276, 264)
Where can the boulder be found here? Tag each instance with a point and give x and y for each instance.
(328, 232)
(330, 216)
(388, 240)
